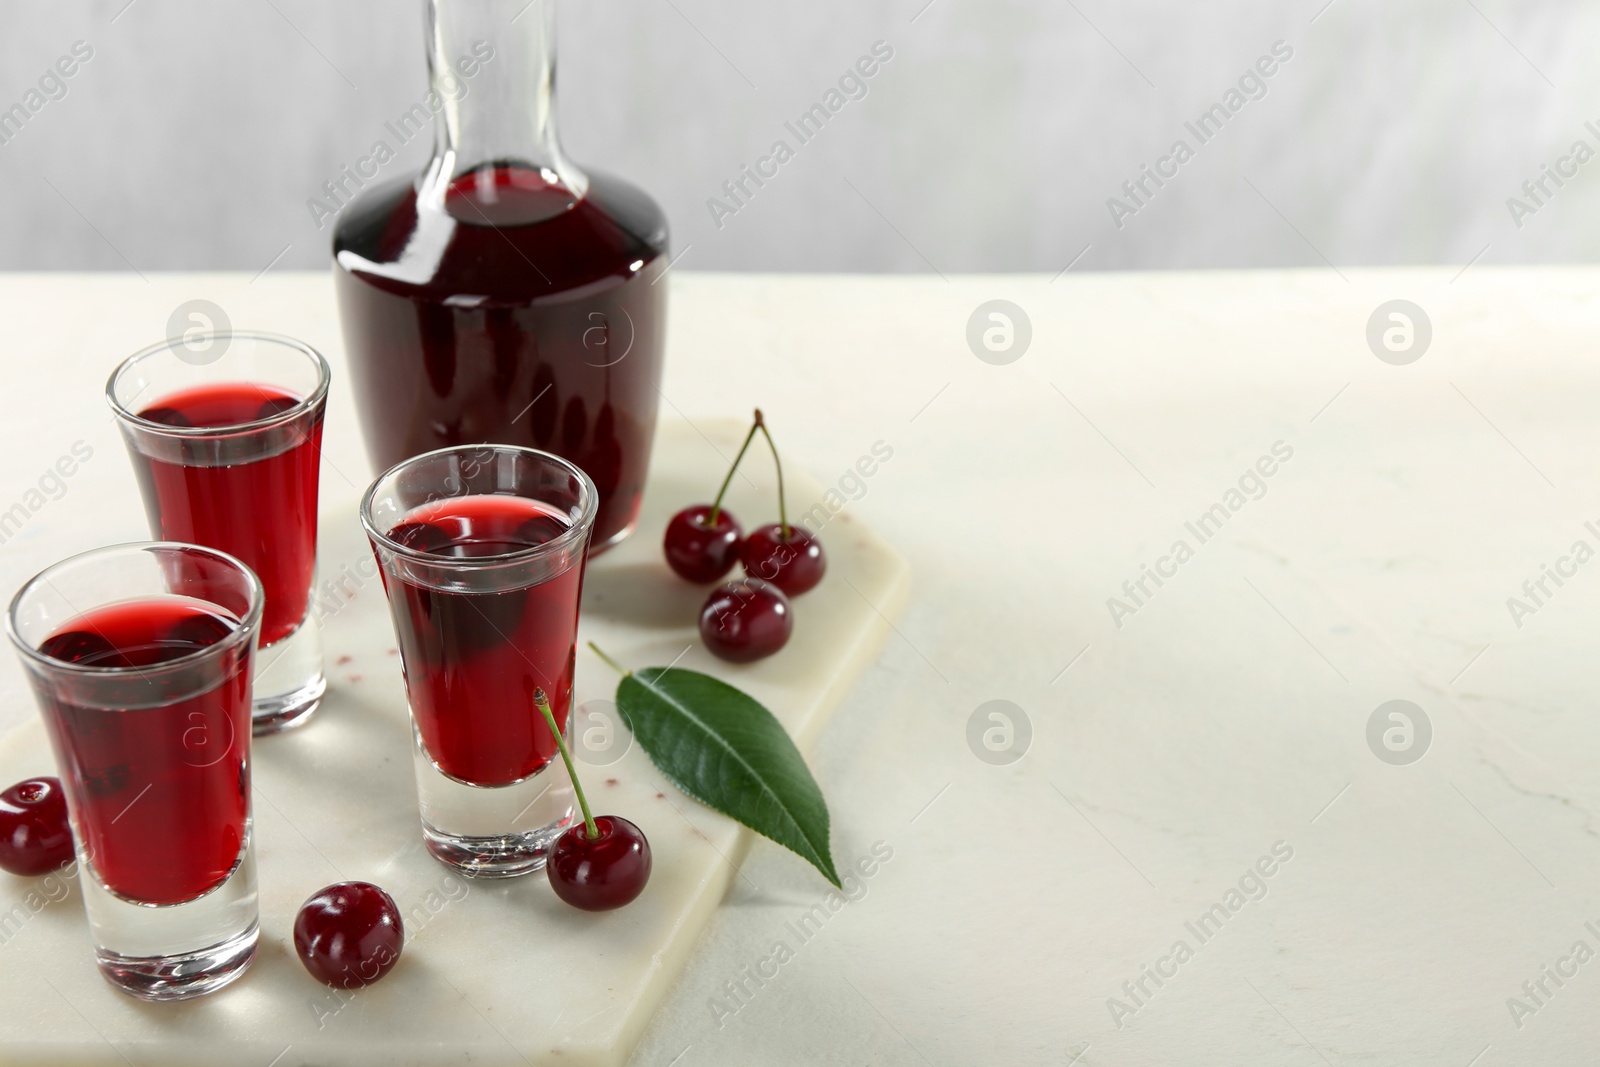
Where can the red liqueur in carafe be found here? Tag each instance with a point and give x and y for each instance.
(503, 295)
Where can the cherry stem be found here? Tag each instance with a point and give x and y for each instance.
(609, 662)
(783, 516)
(542, 702)
(716, 505)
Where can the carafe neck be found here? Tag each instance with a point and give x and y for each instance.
(491, 67)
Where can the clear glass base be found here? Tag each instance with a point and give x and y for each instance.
(181, 977)
(503, 856)
(491, 831)
(288, 683)
(174, 951)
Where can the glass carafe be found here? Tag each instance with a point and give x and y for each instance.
(502, 295)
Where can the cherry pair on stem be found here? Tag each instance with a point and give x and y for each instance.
(750, 618)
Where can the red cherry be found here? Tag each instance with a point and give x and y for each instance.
(699, 550)
(794, 564)
(603, 873)
(35, 836)
(349, 934)
(746, 620)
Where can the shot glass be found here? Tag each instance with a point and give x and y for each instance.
(482, 552)
(140, 660)
(225, 434)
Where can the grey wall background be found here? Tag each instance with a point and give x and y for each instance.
(991, 141)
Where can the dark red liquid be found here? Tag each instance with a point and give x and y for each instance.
(264, 511)
(473, 659)
(161, 794)
(518, 315)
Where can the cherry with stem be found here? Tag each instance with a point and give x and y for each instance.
(603, 863)
(542, 702)
(722, 490)
(783, 515)
(787, 556)
(702, 541)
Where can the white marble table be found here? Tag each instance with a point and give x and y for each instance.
(1225, 718)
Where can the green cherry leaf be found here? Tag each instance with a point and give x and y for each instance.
(720, 746)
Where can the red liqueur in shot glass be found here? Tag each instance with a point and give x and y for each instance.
(225, 434)
(140, 658)
(482, 549)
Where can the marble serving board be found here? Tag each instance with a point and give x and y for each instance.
(492, 972)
